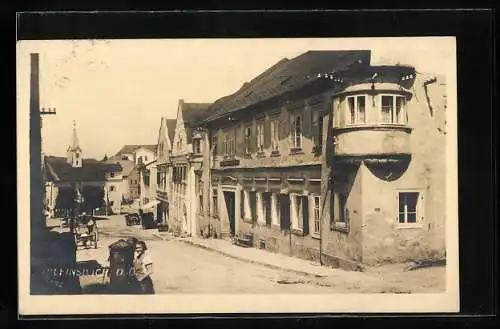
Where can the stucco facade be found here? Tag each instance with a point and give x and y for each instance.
(382, 149)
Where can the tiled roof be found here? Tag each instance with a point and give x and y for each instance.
(128, 149)
(57, 169)
(171, 123)
(285, 76)
(126, 165)
(192, 113)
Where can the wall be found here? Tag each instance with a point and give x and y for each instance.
(342, 247)
(384, 240)
(144, 153)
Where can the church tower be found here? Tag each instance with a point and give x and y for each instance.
(74, 152)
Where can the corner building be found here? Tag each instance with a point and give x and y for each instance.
(329, 158)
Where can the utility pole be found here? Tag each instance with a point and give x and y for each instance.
(37, 185)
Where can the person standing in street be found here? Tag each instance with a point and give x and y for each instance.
(143, 268)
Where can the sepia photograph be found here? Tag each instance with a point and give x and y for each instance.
(237, 175)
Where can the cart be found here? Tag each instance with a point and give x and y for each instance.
(132, 219)
(85, 236)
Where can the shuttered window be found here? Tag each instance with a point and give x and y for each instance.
(260, 136)
(296, 130)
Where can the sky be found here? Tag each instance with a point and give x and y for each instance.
(116, 91)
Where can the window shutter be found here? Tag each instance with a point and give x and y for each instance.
(267, 132)
(305, 215)
(284, 124)
(306, 122)
(220, 145)
(421, 208)
(253, 137)
(397, 207)
(240, 140)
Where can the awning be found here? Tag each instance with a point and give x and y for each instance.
(150, 204)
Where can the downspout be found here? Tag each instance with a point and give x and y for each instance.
(327, 151)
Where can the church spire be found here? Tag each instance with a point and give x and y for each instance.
(74, 151)
(74, 139)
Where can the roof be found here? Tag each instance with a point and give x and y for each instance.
(57, 169)
(193, 113)
(285, 76)
(171, 123)
(126, 165)
(128, 149)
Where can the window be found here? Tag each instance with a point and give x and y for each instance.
(196, 146)
(296, 130)
(317, 214)
(408, 207)
(356, 109)
(224, 143)
(340, 211)
(318, 127)
(231, 142)
(260, 137)
(275, 139)
(393, 109)
(112, 188)
(111, 174)
(77, 155)
(248, 135)
(111, 203)
(214, 144)
(300, 212)
(146, 158)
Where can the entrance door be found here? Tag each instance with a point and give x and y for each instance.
(159, 213)
(229, 198)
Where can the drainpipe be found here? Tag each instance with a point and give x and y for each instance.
(326, 173)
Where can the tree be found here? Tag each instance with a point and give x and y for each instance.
(93, 197)
(66, 198)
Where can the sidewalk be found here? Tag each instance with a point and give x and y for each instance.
(257, 256)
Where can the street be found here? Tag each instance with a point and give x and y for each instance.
(183, 268)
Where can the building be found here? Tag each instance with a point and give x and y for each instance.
(185, 165)
(328, 158)
(148, 182)
(73, 177)
(137, 154)
(164, 149)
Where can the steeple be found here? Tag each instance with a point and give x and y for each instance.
(74, 152)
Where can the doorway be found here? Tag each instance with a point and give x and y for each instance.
(229, 198)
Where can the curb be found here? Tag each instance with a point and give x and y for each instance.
(251, 261)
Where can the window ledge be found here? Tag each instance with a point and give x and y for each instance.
(297, 231)
(317, 150)
(295, 151)
(374, 126)
(409, 225)
(261, 154)
(340, 228)
(247, 220)
(315, 236)
(275, 153)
